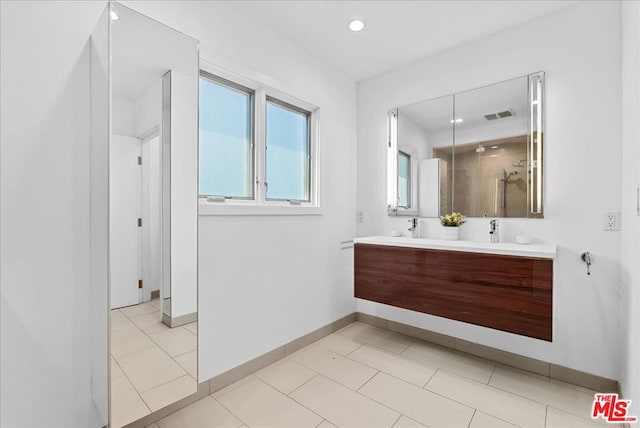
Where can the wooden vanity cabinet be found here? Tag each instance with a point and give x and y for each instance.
(504, 292)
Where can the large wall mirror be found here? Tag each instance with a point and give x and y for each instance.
(151, 154)
(478, 152)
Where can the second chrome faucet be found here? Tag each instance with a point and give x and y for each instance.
(413, 227)
(493, 231)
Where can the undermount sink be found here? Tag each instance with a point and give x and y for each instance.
(536, 250)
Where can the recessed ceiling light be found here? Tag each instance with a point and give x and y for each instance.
(458, 120)
(356, 25)
(114, 16)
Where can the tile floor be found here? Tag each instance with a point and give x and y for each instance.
(363, 376)
(152, 365)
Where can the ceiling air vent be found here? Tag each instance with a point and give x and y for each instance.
(499, 115)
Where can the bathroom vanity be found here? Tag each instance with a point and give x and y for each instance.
(507, 287)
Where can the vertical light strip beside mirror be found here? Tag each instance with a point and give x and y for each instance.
(536, 142)
(392, 162)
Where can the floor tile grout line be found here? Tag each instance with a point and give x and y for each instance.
(528, 373)
(411, 341)
(380, 403)
(500, 419)
(137, 392)
(444, 369)
(492, 373)
(157, 346)
(479, 383)
(556, 382)
(298, 387)
(378, 347)
(293, 399)
(337, 381)
(405, 350)
(391, 354)
(533, 399)
(549, 406)
(546, 413)
(171, 356)
(450, 399)
(399, 417)
(416, 386)
(432, 376)
(244, 380)
(164, 383)
(368, 380)
(351, 390)
(227, 409)
(134, 316)
(472, 416)
(359, 346)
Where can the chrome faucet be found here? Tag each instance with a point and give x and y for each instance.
(493, 231)
(414, 227)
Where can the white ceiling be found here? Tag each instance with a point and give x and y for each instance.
(471, 106)
(398, 32)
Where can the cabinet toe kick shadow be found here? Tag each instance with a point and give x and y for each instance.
(508, 293)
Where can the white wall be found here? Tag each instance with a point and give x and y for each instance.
(184, 189)
(148, 109)
(579, 48)
(630, 274)
(264, 281)
(123, 117)
(46, 336)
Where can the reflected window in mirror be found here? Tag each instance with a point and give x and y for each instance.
(404, 180)
(226, 138)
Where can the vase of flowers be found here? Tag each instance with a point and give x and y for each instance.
(451, 225)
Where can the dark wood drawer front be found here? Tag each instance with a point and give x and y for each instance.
(507, 293)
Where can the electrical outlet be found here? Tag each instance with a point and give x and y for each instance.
(612, 221)
(360, 217)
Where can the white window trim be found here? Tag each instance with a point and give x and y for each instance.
(261, 206)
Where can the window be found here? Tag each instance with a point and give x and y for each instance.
(404, 180)
(226, 139)
(288, 154)
(258, 148)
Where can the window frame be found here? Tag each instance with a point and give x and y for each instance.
(260, 205)
(307, 114)
(409, 158)
(252, 105)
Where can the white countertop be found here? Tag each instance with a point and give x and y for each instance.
(540, 251)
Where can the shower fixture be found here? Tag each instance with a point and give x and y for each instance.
(520, 164)
(507, 177)
(505, 180)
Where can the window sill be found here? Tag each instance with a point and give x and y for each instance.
(234, 209)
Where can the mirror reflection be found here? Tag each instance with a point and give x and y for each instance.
(477, 152)
(490, 175)
(152, 215)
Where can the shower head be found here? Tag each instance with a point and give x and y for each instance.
(507, 176)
